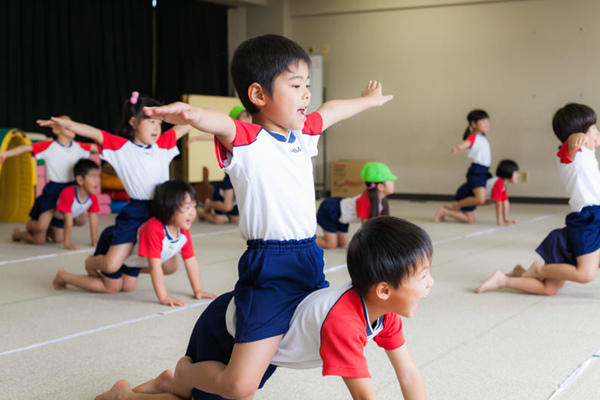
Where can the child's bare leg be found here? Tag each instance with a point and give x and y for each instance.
(80, 220)
(440, 214)
(234, 219)
(122, 391)
(163, 383)
(462, 216)
(238, 379)
(91, 283)
(342, 239)
(477, 199)
(111, 261)
(518, 270)
(213, 218)
(328, 240)
(57, 235)
(496, 281)
(586, 270)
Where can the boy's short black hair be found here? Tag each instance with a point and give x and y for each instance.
(83, 166)
(260, 60)
(572, 118)
(168, 197)
(386, 249)
(506, 169)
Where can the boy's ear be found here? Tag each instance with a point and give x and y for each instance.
(79, 180)
(257, 95)
(382, 290)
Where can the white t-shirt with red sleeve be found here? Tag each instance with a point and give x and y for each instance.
(479, 152)
(581, 178)
(495, 189)
(330, 328)
(354, 209)
(69, 202)
(154, 241)
(140, 168)
(60, 159)
(272, 176)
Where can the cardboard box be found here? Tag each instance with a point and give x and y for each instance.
(345, 178)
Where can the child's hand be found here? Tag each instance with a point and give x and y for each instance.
(71, 246)
(175, 113)
(374, 93)
(172, 301)
(454, 150)
(2, 157)
(576, 141)
(204, 295)
(53, 122)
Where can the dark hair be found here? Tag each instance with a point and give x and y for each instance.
(506, 169)
(83, 166)
(474, 116)
(136, 110)
(261, 60)
(374, 200)
(572, 118)
(168, 197)
(386, 249)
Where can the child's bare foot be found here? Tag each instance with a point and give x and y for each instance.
(496, 281)
(58, 282)
(161, 384)
(16, 235)
(119, 391)
(517, 271)
(440, 214)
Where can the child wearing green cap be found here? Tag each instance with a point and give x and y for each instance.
(335, 213)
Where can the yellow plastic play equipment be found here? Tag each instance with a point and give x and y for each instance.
(18, 178)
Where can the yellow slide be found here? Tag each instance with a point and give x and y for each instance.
(18, 178)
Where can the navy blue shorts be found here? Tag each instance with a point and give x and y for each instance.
(234, 212)
(583, 230)
(57, 223)
(554, 249)
(477, 175)
(48, 199)
(129, 220)
(210, 341)
(102, 248)
(274, 277)
(328, 216)
(462, 192)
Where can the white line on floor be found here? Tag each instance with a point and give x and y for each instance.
(201, 303)
(90, 249)
(574, 375)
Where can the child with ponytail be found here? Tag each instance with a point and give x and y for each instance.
(140, 154)
(335, 213)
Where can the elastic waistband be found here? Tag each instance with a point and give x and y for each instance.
(138, 201)
(478, 166)
(281, 244)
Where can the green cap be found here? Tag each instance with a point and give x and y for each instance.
(377, 172)
(236, 111)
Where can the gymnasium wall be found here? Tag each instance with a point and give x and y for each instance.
(519, 60)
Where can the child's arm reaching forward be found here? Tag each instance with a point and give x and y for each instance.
(502, 213)
(68, 230)
(26, 148)
(361, 388)
(193, 272)
(203, 119)
(181, 130)
(158, 281)
(408, 373)
(93, 217)
(80, 129)
(465, 144)
(338, 110)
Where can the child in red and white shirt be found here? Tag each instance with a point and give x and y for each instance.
(160, 239)
(75, 201)
(495, 190)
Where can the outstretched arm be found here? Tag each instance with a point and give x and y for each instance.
(465, 144)
(181, 130)
(26, 148)
(81, 129)
(337, 110)
(203, 119)
(574, 143)
(408, 373)
(193, 272)
(361, 388)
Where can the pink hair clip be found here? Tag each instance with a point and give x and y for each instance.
(134, 97)
(372, 186)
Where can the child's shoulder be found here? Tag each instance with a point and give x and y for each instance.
(154, 226)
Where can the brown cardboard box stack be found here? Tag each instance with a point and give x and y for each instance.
(345, 178)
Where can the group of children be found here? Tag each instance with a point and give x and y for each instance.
(282, 311)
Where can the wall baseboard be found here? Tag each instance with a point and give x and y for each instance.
(449, 197)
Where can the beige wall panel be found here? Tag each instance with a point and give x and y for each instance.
(202, 153)
(519, 60)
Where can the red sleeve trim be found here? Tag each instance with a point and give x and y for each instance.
(38, 147)
(499, 191)
(85, 146)
(313, 124)
(471, 138)
(111, 142)
(187, 251)
(167, 140)
(66, 199)
(151, 237)
(563, 153)
(245, 132)
(95, 206)
(363, 205)
(391, 337)
(221, 152)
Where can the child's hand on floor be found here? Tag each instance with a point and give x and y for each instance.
(204, 295)
(172, 302)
